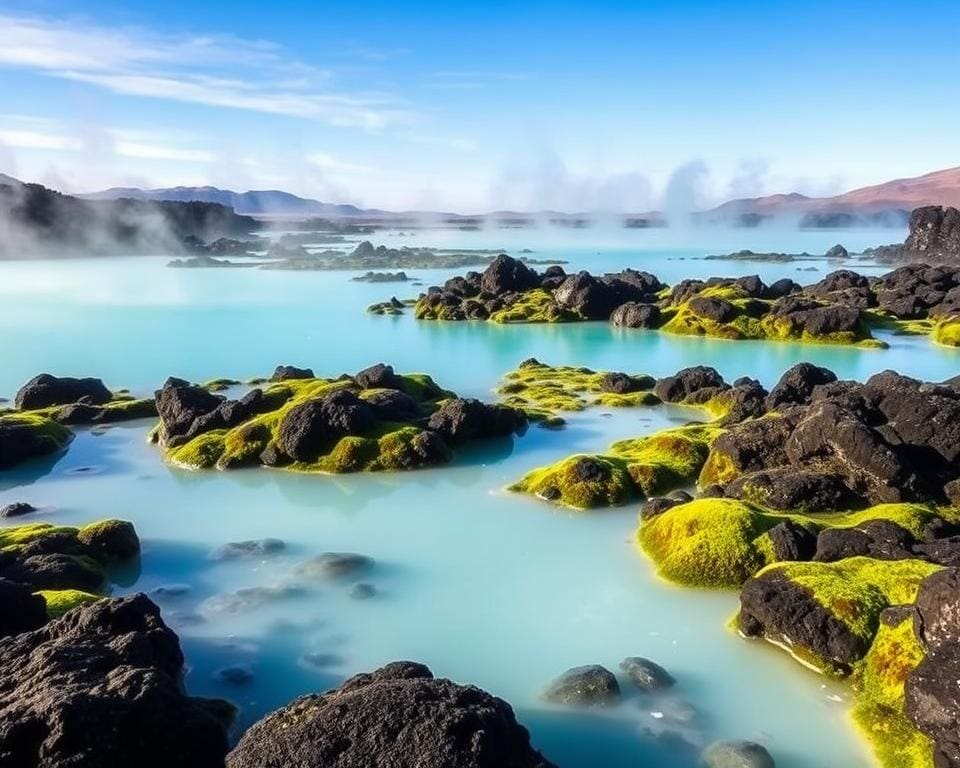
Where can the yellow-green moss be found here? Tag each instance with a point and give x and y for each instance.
(722, 542)
(44, 429)
(561, 482)
(857, 589)
(879, 709)
(218, 385)
(641, 466)
(536, 306)
(15, 537)
(59, 601)
(947, 332)
(537, 388)
(202, 452)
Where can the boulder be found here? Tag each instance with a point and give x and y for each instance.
(393, 405)
(937, 623)
(259, 548)
(463, 419)
(17, 509)
(688, 383)
(622, 383)
(104, 669)
(879, 539)
(179, 403)
(796, 386)
(711, 308)
(313, 427)
(507, 274)
(792, 489)
(636, 315)
(589, 685)
(288, 372)
(737, 754)
(587, 297)
(45, 390)
(335, 565)
(645, 674)
(399, 715)
(791, 541)
(934, 233)
(379, 376)
(22, 440)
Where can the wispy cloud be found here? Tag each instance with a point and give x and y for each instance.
(193, 69)
(465, 80)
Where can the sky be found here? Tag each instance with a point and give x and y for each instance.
(478, 107)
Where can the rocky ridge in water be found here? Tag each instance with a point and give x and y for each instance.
(839, 309)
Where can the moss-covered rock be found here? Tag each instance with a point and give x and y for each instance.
(376, 420)
(879, 707)
(542, 390)
(723, 542)
(25, 436)
(631, 469)
(59, 601)
(947, 332)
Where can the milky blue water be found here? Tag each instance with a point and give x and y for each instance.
(482, 585)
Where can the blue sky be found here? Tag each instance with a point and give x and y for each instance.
(571, 106)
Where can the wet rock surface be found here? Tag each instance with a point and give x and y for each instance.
(106, 668)
(586, 686)
(397, 715)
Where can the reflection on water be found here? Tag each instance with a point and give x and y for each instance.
(482, 585)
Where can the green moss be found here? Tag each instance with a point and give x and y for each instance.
(631, 468)
(47, 433)
(536, 306)
(709, 542)
(857, 589)
(722, 542)
(564, 483)
(15, 537)
(202, 452)
(59, 601)
(879, 710)
(537, 388)
(242, 446)
(947, 332)
(218, 385)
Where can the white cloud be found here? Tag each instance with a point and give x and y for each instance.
(138, 62)
(327, 162)
(32, 139)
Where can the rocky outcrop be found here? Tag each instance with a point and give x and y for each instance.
(399, 715)
(312, 428)
(27, 437)
(586, 686)
(932, 699)
(461, 420)
(45, 390)
(934, 233)
(82, 690)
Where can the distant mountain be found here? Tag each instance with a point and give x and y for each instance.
(35, 220)
(887, 203)
(254, 202)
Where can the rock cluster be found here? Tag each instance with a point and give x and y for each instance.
(374, 420)
(838, 309)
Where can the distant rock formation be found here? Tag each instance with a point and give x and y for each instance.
(934, 233)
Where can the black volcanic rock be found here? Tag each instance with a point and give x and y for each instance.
(99, 688)
(286, 372)
(796, 386)
(310, 428)
(399, 715)
(179, 403)
(46, 390)
(636, 315)
(463, 419)
(934, 233)
(507, 274)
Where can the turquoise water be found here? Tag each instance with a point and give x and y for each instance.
(482, 585)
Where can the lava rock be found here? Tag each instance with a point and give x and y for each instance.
(586, 296)
(737, 754)
(179, 403)
(334, 565)
(463, 419)
(399, 715)
(287, 372)
(796, 386)
(107, 668)
(589, 685)
(379, 376)
(393, 405)
(311, 428)
(507, 274)
(17, 509)
(645, 674)
(45, 390)
(791, 541)
(622, 383)
(250, 548)
(636, 315)
(688, 383)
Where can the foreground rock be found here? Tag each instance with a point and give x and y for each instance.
(100, 687)
(375, 420)
(737, 754)
(46, 390)
(399, 715)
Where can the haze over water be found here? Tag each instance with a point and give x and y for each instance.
(484, 586)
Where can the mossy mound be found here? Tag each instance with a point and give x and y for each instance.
(29, 435)
(59, 601)
(542, 390)
(858, 589)
(375, 421)
(723, 542)
(631, 469)
(879, 709)
(536, 306)
(947, 332)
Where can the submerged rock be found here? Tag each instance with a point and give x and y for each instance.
(589, 685)
(737, 754)
(249, 548)
(17, 509)
(112, 667)
(334, 565)
(399, 715)
(645, 674)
